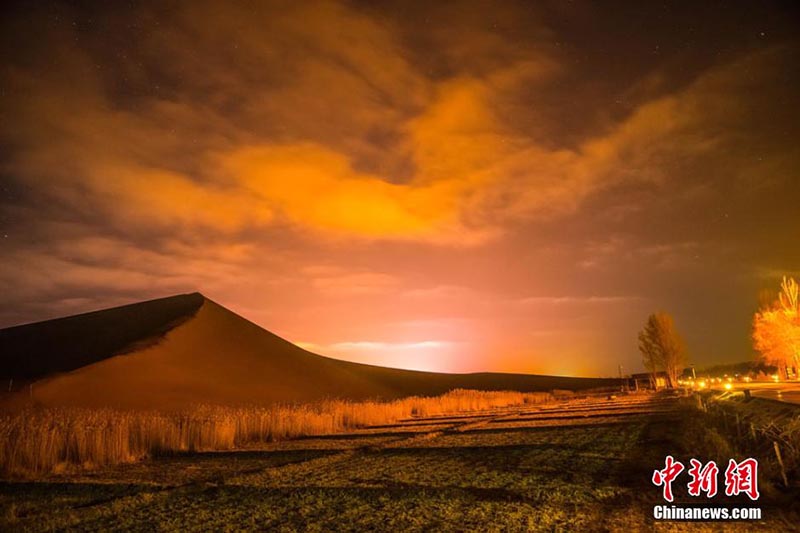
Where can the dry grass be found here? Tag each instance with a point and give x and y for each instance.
(43, 440)
(755, 427)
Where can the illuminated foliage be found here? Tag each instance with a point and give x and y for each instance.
(776, 329)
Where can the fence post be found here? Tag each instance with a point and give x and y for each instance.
(780, 462)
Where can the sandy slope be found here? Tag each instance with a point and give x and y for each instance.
(216, 356)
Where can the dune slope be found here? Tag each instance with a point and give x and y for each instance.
(32, 351)
(212, 355)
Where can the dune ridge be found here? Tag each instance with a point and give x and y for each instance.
(206, 354)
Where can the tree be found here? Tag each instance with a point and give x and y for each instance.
(651, 356)
(776, 329)
(662, 347)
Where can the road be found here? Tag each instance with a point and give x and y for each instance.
(788, 392)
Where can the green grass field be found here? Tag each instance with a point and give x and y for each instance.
(580, 465)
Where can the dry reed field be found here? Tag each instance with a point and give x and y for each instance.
(37, 441)
(578, 464)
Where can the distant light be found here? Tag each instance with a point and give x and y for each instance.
(747, 379)
(730, 379)
(775, 377)
(702, 384)
(728, 386)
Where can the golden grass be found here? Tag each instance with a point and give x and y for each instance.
(755, 427)
(42, 440)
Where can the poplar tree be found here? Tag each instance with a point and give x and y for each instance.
(662, 348)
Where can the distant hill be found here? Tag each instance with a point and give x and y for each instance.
(183, 350)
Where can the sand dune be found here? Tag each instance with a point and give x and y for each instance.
(187, 349)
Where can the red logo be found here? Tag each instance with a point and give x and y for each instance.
(665, 477)
(703, 479)
(740, 478)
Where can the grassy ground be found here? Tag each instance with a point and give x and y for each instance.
(574, 466)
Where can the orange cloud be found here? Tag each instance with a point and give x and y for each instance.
(299, 150)
(317, 188)
(230, 145)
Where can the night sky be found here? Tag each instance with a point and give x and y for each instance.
(436, 185)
